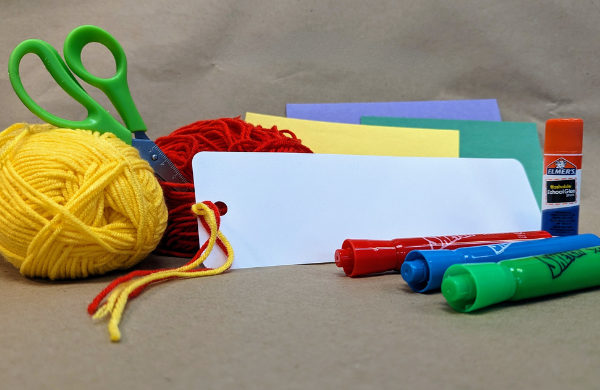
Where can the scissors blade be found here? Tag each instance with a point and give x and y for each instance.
(164, 169)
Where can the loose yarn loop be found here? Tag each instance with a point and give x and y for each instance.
(75, 203)
(131, 285)
(226, 134)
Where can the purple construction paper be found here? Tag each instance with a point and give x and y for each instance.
(482, 110)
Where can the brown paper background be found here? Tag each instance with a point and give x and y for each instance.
(309, 327)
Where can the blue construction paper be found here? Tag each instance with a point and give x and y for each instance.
(483, 110)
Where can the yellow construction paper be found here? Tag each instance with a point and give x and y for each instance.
(342, 138)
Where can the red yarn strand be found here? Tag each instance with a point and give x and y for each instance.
(93, 306)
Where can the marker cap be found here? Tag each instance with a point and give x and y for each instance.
(564, 136)
(361, 257)
(414, 271)
(469, 287)
(424, 270)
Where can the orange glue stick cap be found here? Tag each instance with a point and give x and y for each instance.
(563, 136)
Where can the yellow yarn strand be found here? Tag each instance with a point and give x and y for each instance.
(74, 203)
(118, 298)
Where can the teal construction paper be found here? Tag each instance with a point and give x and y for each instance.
(485, 139)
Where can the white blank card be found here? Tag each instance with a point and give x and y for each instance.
(292, 208)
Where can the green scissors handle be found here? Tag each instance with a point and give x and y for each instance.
(116, 88)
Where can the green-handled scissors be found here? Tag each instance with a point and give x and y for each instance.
(116, 88)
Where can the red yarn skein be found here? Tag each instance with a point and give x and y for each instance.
(219, 135)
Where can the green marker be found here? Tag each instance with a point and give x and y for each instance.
(469, 287)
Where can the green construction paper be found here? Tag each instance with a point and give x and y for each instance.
(485, 139)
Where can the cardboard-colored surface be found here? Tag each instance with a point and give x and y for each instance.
(309, 327)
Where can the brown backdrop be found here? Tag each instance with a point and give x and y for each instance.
(309, 327)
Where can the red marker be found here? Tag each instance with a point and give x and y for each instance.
(362, 257)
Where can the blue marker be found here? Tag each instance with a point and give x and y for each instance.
(423, 270)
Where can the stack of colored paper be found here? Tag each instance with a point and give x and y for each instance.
(459, 128)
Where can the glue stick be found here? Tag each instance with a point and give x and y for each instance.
(562, 176)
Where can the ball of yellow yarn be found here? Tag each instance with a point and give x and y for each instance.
(75, 203)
